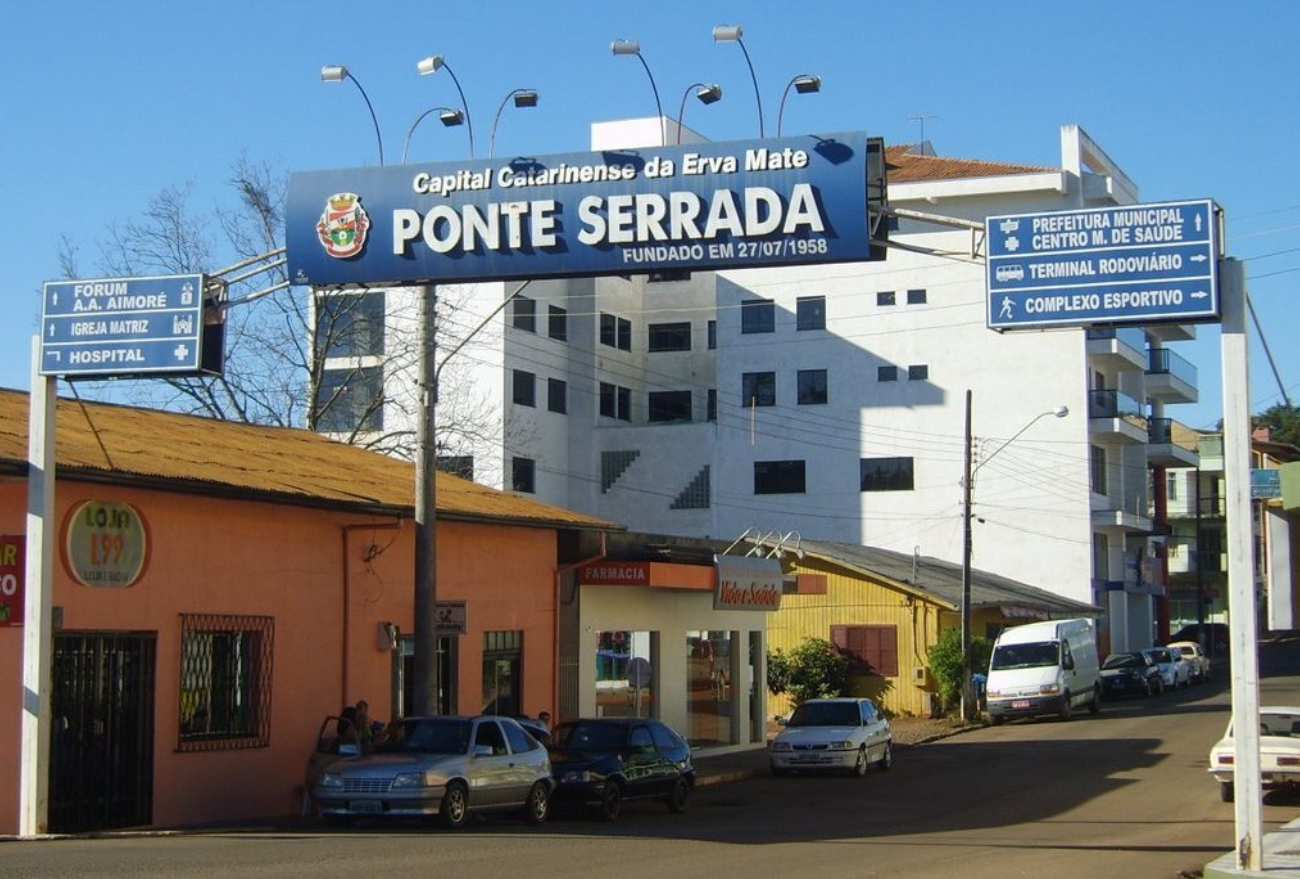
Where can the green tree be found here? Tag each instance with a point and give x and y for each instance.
(946, 663)
(1283, 423)
(814, 669)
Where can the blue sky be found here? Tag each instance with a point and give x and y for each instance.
(107, 104)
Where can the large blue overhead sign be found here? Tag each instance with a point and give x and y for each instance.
(123, 326)
(722, 205)
(1140, 263)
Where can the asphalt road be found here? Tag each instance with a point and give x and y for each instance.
(1121, 795)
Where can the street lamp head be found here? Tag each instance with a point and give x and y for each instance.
(1061, 411)
(333, 73)
(429, 65)
(709, 94)
(625, 47)
(807, 83)
(451, 117)
(525, 98)
(727, 33)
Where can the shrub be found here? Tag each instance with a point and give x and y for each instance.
(814, 669)
(946, 664)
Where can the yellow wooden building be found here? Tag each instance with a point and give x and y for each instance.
(885, 609)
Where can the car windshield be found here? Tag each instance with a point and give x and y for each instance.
(1032, 655)
(582, 736)
(1160, 655)
(428, 736)
(826, 714)
(1123, 660)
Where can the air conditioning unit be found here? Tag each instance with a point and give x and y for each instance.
(920, 675)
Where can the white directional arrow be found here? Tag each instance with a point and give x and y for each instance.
(51, 331)
(1200, 257)
(1198, 222)
(1199, 294)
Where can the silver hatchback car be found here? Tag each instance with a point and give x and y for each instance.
(450, 767)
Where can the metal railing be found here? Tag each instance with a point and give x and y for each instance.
(1112, 403)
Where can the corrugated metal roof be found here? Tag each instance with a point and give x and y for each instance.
(284, 465)
(942, 580)
(903, 166)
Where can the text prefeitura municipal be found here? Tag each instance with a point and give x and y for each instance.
(625, 218)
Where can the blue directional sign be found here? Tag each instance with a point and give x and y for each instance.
(123, 327)
(1141, 263)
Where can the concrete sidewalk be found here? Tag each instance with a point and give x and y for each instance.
(1281, 858)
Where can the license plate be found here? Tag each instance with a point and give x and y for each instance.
(1020, 703)
(366, 807)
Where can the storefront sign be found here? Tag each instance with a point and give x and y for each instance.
(453, 619)
(105, 544)
(747, 583)
(615, 574)
(742, 204)
(12, 578)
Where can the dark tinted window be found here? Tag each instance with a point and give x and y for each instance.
(489, 733)
(525, 388)
(885, 474)
(757, 316)
(558, 323)
(758, 389)
(666, 739)
(885, 297)
(810, 313)
(350, 324)
(812, 386)
(525, 314)
(520, 741)
(523, 475)
(887, 373)
(670, 337)
(669, 406)
(585, 735)
(778, 477)
(640, 738)
(557, 395)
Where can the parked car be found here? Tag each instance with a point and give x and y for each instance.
(1175, 672)
(601, 762)
(1279, 751)
(1194, 653)
(1212, 636)
(834, 734)
(1130, 674)
(450, 767)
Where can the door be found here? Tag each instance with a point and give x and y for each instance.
(101, 731)
(405, 672)
(502, 677)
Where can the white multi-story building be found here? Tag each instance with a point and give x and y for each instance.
(830, 401)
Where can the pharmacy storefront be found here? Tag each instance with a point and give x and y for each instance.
(684, 643)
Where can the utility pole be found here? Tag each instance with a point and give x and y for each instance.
(967, 708)
(426, 677)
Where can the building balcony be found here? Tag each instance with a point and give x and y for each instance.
(1115, 415)
(1170, 378)
(1172, 332)
(1109, 515)
(1119, 348)
(1163, 451)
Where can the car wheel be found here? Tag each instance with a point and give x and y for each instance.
(454, 810)
(886, 761)
(1094, 707)
(860, 766)
(1225, 791)
(1067, 707)
(611, 801)
(681, 795)
(995, 720)
(538, 804)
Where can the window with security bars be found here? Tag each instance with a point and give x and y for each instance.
(225, 681)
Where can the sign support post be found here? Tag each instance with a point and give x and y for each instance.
(1242, 610)
(34, 771)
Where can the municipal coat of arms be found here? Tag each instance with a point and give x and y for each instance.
(342, 227)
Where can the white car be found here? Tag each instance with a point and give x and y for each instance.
(1279, 751)
(1194, 653)
(1175, 671)
(833, 734)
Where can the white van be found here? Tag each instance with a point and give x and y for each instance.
(1044, 668)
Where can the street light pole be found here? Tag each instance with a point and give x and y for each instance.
(425, 678)
(734, 33)
(968, 491)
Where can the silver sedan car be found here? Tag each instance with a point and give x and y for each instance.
(450, 767)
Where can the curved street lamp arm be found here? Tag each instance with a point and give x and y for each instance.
(373, 118)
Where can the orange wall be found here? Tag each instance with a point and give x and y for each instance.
(237, 557)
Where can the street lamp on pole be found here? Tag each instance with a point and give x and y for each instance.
(338, 73)
(968, 490)
(632, 47)
(433, 64)
(448, 116)
(732, 33)
(804, 83)
(523, 98)
(707, 93)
